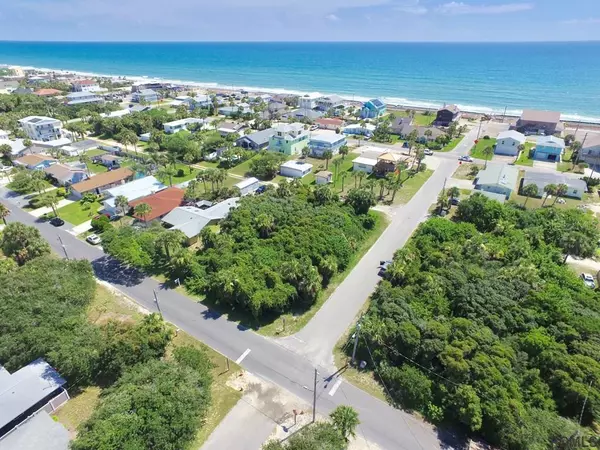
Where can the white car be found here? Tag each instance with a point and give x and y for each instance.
(428, 152)
(588, 280)
(93, 239)
(465, 158)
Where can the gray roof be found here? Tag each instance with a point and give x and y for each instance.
(25, 388)
(36, 433)
(77, 95)
(531, 115)
(492, 196)
(191, 220)
(147, 92)
(260, 137)
(308, 113)
(499, 175)
(543, 179)
(512, 134)
(86, 144)
(551, 141)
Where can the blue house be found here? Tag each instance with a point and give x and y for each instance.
(549, 148)
(372, 109)
(319, 143)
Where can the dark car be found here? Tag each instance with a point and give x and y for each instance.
(455, 201)
(57, 222)
(383, 265)
(261, 189)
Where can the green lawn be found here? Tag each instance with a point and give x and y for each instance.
(75, 214)
(524, 158)
(241, 169)
(419, 118)
(95, 152)
(187, 175)
(97, 168)
(451, 145)
(477, 150)
(411, 186)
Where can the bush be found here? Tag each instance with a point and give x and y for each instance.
(486, 137)
(180, 173)
(591, 181)
(369, 221)
(61, 192)
(422, 167)
(101, 223)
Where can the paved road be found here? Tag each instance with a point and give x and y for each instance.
(318, 338)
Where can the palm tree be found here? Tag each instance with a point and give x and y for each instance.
(327, 154)
(442, 202)
(264, 224)
(561, 190)
(428, 133)
(305, 151)
(220, 177)
(381, 183)
(201, 176)
(530, 190)
(361, 176)
(370, 184)
(419, 156)
(549, 189)
(4, 213)
(48, 199)
(343, 177)
(143, 209)
(336, 166)
(167, 172)
(345, 420)
(5, 150)
(170, 241)
(488, 152)
(344, 151)
(122, 203)
(453, 193)
(84, 158)
(283, 190)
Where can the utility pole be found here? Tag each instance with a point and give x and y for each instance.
(479, 130)
(64, 247)
(580, 149)
(315, 396)
(355, 340)
(157, 303)
(504, 115)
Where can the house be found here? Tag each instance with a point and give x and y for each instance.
(117, 114)
(47, 92)
(403, 127)
(500, 179)
(357, 129)
(548, 148)
(508, 143)
(364, 163)
(575, 188)
(85, 145)
(191, 220)
(227, 128)
(38, 431)
(256, 141)
(24, 392)
(248, 186)
(133, 190)
(101, 182)
(539, 122)
(184, 100)
(201, 101)
(328, 102)
(81, 98)
(66, 175)
(85, 86)
(108, 160)
(162, 203)
(22, 91)
(387, 163)
(319, 143)
(289, 139)
(329, 124)
(500, 198)
(144, 96)
(17, 148)
(373, 109)
(308, 101)
(323, 177)
(181, 124)
(145, 137)
(8, 86)
(229, 111)
(295, 169)
(446, 115)
(41, 128)
(590, 150)
(35, 162)
(140, 108)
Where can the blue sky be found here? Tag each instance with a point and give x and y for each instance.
(300, 20)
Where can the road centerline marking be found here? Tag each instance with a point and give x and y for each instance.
(242, 356)
(335, 387)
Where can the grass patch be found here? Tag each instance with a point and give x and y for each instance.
(411, 186)
(95, 152)
(97, 168)
(421, 119)
(477, 150)
(465, 171)
(294, 323)
(78, 409)
(210, 164)
(187, 175)
(241, 169)
(524, 159)
(451, 145)
(75, 214)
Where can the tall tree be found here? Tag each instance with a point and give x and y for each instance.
(345, 420)
(122, 204)
(561, 190)
(488, 152)
(22, 242)
(549, 189)
(327, 155)
(143, 209)
(529, 190)
(4, 213)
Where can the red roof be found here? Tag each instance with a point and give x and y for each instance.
(85, 82)
(47, 92)
(325, 121)
(163, 202)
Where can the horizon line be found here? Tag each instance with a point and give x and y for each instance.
(292, 42)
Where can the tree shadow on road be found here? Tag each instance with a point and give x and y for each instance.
(111, 270)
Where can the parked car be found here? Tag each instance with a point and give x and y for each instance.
(455, 201)
(261, 189)
(588, 280)
(383, 265)
(428, 152)
(465, 158)
(93, 239)
(57, 222)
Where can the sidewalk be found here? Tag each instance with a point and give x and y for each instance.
(47, 209)
(81, 228)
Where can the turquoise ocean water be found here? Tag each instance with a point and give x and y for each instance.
(477, 77)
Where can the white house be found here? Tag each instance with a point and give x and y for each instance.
(86, 86)
(324, 141)
(364, 164)
(295, 169)
(323, 177)
(181, 124)
(358, 129)
(508, 143)
(132, 190)
(248, 186)
(80, 98)
(308, 101)
(41, 128)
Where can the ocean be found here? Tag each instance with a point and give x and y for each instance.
(479, 77)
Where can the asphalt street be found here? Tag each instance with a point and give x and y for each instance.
(290, 362)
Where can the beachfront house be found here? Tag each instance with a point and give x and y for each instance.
(145, 96)
(499, 179)
(357, 129)
(590, 151)
(161, 203)
(82, 98)
(329, 102)
(248, 186)
(575, 188)
(548, 148)
(373, 109)
(321, 142)
(35, 162)
(403, 127)
(295, 169)
(324, 177)
(85, 86)
(181, 124)
(201, 101)
(182, 100)
(258, 140)
(133, 190)
(303, 114)
(508, 143)
(308, 101)
(101, 182)
(66, 175)
(289, 139)
(446, 115)
(191, 220)
(41, 128)
(539, 122)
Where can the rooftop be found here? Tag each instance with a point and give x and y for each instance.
(365, 161)
(187, 121)
(191, 220)
(32, 160)
(452, 108)
(135, 189)
(102, 179)
(247, 182)
(329, 121)
(80, 95)
(47, 92)
(512, 134)
(60, 171)
(542, 179)
(86, 144)
(147, 92)
(260, 137)
(39, 120)
(25, 388)
(298, 165)
(501, 175)
(37, 432)
(161, 203)
(327, 137)
(532, 115)
(376, 102)
(85, 82)
(551, 141)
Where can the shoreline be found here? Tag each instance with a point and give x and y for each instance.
(393, 102)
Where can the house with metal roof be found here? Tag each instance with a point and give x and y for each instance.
(549, 148)
(500, 179)
(508, 143)
(133, 190)
(373, 108)
(324, 141)
(258, 140)
(81, 98)
(295, 169)
(248, 186)
(66, 175)
(539, 122)
(575, 188)
(181, 124)
(145, 96)
(41, 128)
(191, 220)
